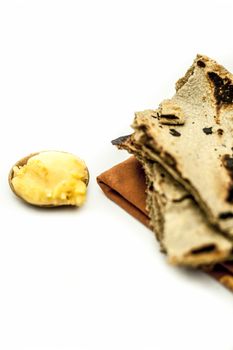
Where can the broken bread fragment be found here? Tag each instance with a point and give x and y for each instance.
(170, 113)
(180, 226)
(198, 153)
(187, 237)
(50, 179)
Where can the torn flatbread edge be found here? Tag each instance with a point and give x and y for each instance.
(198, 255)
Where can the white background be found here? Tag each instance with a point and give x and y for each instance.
(72, 73)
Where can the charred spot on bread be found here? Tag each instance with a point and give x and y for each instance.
(223, 88)
(229, 198)
(205, 249)
(228, 163)
(208, 131)
(225, 215)
(201, 64)
(119, 140)
(220, 132)
(168, 116)
(167, 119)
(174, 132)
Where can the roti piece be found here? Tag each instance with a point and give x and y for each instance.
(176, 219)
(191, 136)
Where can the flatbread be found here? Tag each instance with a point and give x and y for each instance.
(177, 221)
(191, 136)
